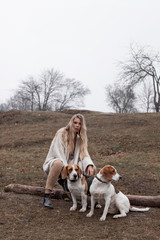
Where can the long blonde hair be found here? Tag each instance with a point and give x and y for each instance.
(82, 134)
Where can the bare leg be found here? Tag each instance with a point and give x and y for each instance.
(51, 179)
(53, 175)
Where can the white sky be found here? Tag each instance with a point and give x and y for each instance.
(83, 39)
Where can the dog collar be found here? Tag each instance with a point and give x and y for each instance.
(100, 179)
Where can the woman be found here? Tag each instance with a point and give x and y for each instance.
(68, 146)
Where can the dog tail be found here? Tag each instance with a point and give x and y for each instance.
(135, 209)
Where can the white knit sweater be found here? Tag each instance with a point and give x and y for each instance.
(58, 151)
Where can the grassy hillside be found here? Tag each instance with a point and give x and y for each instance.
(130, 142)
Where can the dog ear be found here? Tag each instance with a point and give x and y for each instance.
(101, 171)
(64, 172)
(79, 171)
(105, 171)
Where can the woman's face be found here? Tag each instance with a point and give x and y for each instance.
(76, 124)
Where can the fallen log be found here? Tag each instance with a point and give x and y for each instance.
(150, 201)
(146, 201)
(33, 190)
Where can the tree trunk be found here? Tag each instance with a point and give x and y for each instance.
(149, 201)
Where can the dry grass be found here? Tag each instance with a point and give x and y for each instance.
(130, 142)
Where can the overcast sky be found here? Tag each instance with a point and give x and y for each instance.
(83, 39)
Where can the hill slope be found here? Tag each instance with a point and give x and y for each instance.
(130, 142)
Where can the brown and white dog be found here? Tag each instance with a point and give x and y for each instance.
(77, 186)
(104, 192)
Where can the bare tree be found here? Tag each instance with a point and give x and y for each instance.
(37, 94)
(50, 92)
(71, 95)
(51, 84)
(140, 67)
(121, 100)
(27, 93)
(4, 107)
(19, 101)
(25, 96)
(145, 97)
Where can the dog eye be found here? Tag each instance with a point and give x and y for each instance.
(76, 169)
(113, 170)
(70, 170)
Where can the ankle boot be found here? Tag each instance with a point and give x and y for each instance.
(47, 202)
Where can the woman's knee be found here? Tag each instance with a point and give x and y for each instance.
(58, 163)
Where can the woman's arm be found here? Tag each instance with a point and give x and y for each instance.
(90, 170)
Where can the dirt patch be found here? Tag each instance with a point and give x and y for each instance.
(25, 218)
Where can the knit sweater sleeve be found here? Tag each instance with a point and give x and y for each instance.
(57, 149)
(87, 161)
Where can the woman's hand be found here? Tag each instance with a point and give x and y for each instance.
(90, 170)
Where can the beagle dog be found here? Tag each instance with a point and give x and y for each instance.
(104, 192)
(77, 186)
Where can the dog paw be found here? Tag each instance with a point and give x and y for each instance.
(89, 214)
(98, 206)
(147, 209)
(82, 210)
(73, 208)
(102, 218)
(115, 216)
